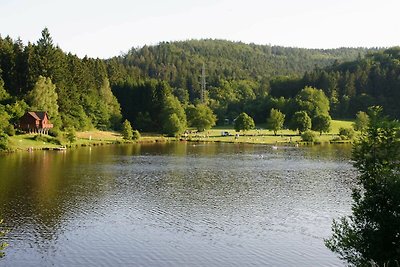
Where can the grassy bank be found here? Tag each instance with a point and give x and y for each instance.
(25, 142)
(95, 137)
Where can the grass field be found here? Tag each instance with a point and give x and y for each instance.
(26, 141)
(264, 136)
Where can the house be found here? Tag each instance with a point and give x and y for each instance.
(35, 122)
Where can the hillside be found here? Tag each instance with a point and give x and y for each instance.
(180, 63)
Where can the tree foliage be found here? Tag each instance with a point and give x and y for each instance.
(346, 133)
(371, 234)
(3, 141)
(312, 101)
(301, 121)
(308, 136)
(244, 122)
(127, 131)
(276, 120)
(361, 122)
(173, 126)
(321, 123)
(70, 134)
(200, 116)
(43, 97)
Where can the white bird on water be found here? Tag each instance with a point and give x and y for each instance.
(275, 147)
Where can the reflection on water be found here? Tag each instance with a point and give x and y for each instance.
(174, 205)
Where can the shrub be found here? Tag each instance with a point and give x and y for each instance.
(47, 139)
(136, 135)
(3, 141)
(70, 134)
(346, 133)
(55, 132)
(308, 136)
(127, 132)
(10, 130)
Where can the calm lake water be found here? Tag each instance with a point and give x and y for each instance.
(174, 204)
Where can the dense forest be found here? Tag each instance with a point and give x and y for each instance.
(155, 85)
(180, 63)
(352, 86)
(75, 92)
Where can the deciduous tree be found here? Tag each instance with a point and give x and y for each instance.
(173, 125)
(276, 120)
(321, 123)
(200, 116)
(313, 101)
(301, 121)
(244, 122)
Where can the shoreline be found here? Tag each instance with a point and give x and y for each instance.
(279, 140)
(218, 134)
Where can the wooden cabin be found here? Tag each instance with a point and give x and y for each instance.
(35, 122)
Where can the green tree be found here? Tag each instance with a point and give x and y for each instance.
(371, 234)
(43, 97)
(4, 118)
(3, 245)
(361, 122)
(173, 126)
(276, 120)
(4, 95)
(301, 121)
(200, 116)
(244, 122)
(135, 135)
(127, 131)
(3, 141)
(45, 60)
(16, 110)
(321, 123)
(109, 101)
(313, 101)
(71, 134)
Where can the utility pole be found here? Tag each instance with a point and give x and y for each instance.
(203, 84)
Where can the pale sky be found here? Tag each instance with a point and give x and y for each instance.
(99, 28)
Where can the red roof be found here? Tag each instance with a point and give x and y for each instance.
(38, 115)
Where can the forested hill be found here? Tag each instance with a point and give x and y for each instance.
(180, 63)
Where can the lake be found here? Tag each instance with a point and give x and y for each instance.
(174, 204)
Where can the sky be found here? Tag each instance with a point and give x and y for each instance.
(110, 28)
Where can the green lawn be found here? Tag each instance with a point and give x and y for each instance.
(260, 135)
(336, 124)
(26, 141)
